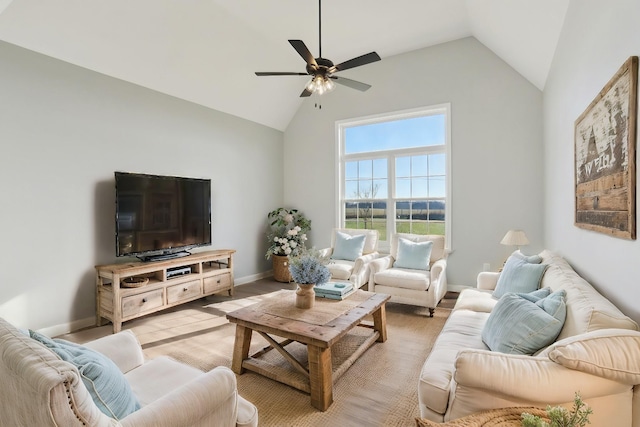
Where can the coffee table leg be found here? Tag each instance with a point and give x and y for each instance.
(380, 323)
(320, 377)
(241, 348)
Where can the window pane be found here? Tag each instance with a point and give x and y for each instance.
(380, 168)
(351, 170)
(365, 189)
(365, 169)
(403, 187)
(419, 165)
(403, 166)
(437, 187)
(419, 187)
(351, 189)
(394, 134)
(419, 210)
(403, 210)
(380, 190)
(436, 164)
(436, 210)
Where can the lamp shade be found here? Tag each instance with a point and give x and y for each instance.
(515, 238)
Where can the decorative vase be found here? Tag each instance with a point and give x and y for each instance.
(305, 295)
(281, 268)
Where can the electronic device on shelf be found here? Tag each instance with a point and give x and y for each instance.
(177, 271)
(160, 217)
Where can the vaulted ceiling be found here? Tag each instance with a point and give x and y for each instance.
(206, 51)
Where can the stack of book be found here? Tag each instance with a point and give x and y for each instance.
(333, 290)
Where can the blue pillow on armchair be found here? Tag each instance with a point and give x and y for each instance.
(107, 386)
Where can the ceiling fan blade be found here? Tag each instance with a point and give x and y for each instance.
(356, 62)
(278, 73)
(305, 93)
(301, 48)
(353, 84)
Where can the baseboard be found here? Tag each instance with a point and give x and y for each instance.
(65, 328)
(457, 288)
(252, 278)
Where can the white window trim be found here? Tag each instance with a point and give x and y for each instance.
(340, 127)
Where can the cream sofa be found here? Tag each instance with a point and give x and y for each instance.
(596, 354)
(40, 389)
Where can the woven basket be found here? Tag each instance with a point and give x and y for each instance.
(281, 268)
(502, 417)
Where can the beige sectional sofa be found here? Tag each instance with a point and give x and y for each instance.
(597, 354)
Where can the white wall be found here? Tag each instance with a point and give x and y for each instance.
(496, 146)
(63, 132)
(596, 39)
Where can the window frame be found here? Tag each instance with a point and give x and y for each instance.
(391, 155)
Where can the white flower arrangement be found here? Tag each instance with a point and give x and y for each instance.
(287, 232)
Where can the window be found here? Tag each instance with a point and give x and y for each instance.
(393, 173)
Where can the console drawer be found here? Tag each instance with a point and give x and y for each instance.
(183, 291)
(141, 303)
(216, 283)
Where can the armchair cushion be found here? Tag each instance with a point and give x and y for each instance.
(340, 269)
(413, 255)
(519, 276)
(523, 324)
(404, 278)
(107, 386)
(348, 247)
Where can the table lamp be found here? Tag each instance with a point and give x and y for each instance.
(515, 238)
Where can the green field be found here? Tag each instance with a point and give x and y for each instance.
(418, 227)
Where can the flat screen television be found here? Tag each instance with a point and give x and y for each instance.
(161, 217)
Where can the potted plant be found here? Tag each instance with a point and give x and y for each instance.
(561, 417)
(307, 270)
(287, 235)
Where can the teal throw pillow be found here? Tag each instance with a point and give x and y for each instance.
(414, 255)
(525, 323)
(518, 275)
(348, 247)
(107, 386)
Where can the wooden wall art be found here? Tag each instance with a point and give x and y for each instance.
(605, 157)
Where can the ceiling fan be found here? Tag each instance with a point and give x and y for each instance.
(322, 70)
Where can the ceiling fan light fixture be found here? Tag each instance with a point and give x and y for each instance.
(320, 85)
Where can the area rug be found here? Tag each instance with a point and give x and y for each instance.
(379, 389)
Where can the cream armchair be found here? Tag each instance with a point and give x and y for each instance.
(41, 389)
(424, 287)
(354, 269)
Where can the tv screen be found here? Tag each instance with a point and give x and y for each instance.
(159, 217)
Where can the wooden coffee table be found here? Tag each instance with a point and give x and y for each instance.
(320, 328)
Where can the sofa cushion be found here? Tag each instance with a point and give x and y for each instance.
(461, 331)
(519, 275)
(523, 324)
(107, 386)
(348, 247)
(607, 353)
(587, 310)
(404, 278)
(413, 255)
(159, 377)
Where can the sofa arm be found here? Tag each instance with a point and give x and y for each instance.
(482, 377)
(210, 399)
(487, 280)
(326, 252)
(377, 265)
(360, 269)
(122, 348)
(438, 272)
